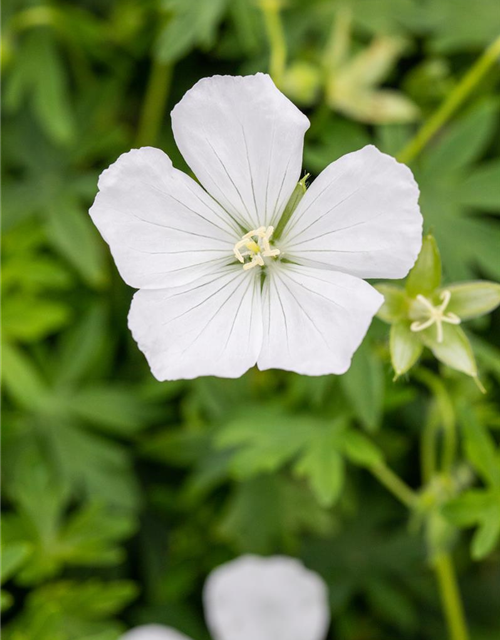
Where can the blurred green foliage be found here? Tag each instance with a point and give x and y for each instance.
(121, 493)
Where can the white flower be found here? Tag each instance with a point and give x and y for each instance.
(253, 598)
(218, 292)
(266, 598)
(153, 632)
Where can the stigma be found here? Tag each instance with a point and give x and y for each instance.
(435, 315)
(256, 246)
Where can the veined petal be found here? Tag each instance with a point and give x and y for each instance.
(153, 632)
(275, 598)
(314, 319)
(360, 216)
(213, 326)
(162, 228)
(243, 139)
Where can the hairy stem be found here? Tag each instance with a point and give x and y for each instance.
(154, 103)
(394, 484)
(455, 99)
(276, 38)
(450, 597)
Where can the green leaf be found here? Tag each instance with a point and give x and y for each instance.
(425, 275)
(323, 466)
(481, 450)
(14, 555)
(455, 350)
(406, 347)
(27, 318)
(465, 140)
(264, 441)
(360, 450)
(395, 305)
(480, 189)
(285, 509)
(473, 299)
(487, 535)
(22, 380)
(193, 23)
(363, 385)
(71, 231)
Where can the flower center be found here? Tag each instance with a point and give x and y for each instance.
(435, 315)
(256, 245)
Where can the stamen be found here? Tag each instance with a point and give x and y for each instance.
(436, 315)
(258, 245)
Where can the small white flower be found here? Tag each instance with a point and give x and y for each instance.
(219, 292)
(253, 598)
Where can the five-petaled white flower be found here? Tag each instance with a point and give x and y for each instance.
(253, 598)
(218, 292)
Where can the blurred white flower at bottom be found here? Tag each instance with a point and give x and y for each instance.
(254, 598)
(153, 632)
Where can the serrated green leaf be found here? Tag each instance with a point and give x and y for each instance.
(425, 275)
(473, 299)
(14, 555)
(406, 347)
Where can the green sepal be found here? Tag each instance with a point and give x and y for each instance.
(395, 305)
(406, 347)
(455, 350)
(292, 204)
(473, 299)
(425, 276)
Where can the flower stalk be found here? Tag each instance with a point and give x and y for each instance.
(451, 104)
(276, 38)
(154, 103)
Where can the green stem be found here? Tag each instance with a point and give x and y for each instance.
(394, 484)
(154, 103)
(471, 79)
(445, 407)
(276, 38)
(450, 597)
(428, 451)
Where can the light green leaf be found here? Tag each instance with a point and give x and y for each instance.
(360, 450)
(425, 275)
(22, 379)
(28, 318)
(472, 299)
(323, 467)
(14, 555)
(395, 305)
(363, 384)
(406, 347)
(487, 535)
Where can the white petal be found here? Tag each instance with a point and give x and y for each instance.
(243, 139)
(162, 228)
(314, 319)
(360, 216)
(212, 326)
(273, 598)
(153, 632)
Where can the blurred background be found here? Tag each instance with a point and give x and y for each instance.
(120, 493)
